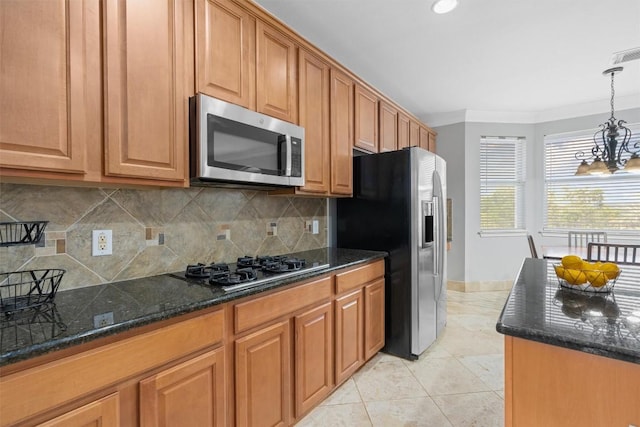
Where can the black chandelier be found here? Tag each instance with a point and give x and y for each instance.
(611, 143)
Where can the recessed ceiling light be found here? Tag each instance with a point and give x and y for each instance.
(444, 6)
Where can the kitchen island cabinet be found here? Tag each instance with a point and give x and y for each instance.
(186, 353)
(571, 357)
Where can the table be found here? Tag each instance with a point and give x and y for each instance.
(557, 252)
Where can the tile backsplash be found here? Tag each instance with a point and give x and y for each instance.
(154, 231)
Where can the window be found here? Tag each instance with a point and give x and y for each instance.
(502, 177)
(605, 202)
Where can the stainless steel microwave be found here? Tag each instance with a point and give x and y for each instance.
(231, 144)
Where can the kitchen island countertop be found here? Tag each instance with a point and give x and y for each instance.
(606, 324)
(71, 320)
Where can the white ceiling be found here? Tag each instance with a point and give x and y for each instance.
(513, 56)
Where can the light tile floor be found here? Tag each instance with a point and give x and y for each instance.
(458, 381)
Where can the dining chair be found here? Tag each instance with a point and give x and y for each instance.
(614, 252)
(532, 246)
(582, 238)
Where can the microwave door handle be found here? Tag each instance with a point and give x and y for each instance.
(287, 170)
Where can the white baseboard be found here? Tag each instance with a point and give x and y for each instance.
(480, 286)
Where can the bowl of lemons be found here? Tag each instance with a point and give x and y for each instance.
(575, 273)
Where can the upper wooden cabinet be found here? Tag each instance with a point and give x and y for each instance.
(403, 131)
(341, 133)
(313, 104)
(276, 74)
(432, 142)
(49, 84)
(366, 119)
(147, 89)
(388, 127)
(225, 57)
(424, 138)
(414, 134)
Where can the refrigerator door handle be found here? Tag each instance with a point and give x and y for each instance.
(436, 232)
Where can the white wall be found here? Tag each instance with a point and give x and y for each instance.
(474, 258)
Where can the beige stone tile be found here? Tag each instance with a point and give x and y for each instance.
(152, 208)
(269, 206)
(128, 239)
(61, 206)
(446, 376)
(472, 409)
(308, 206)
(489, 368)
(191, 234)
(221, 205)
(346, 393)
(459, 341)
(500, 393)
(14, 257)
(386, 380)
(151, 261)
(306, 242)
(347, 415)
(290, 228)
(76, 275)
(272, 245)
(248, 230)
(416, 412)
(224, 251)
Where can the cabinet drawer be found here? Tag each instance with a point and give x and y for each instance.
(264, 309)
(359, 276)
(35, 390)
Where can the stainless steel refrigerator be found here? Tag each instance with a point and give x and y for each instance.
(399, 206)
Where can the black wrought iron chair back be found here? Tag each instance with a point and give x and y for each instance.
(614, 252)
(582, 238)
(532, 246)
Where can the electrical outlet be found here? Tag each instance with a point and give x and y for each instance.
(102, 243)
(315, 228)
(104, 319)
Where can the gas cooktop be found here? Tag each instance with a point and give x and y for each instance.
(248, 271)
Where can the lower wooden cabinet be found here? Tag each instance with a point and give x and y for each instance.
(102, 412)
(313, 357)
(373, 318)
(263, 377)
(192, 393)
(349, 333)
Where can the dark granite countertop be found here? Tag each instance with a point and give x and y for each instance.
(607, 325)
(70, 320)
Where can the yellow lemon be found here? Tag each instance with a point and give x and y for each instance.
(611, 270)
(575, 277)
(559, 271)
(571, 261)
(596, 278)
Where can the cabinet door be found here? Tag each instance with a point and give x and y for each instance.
(403, 131)
(349, 331)
(191, 393)
(341, 133)
(49, 84)
(276, 87)
(102, 412)
(424, 138)
(366, 119)
(373, 318)
(263, 377)
(432, 142)
(313, 357)
(313, 80)
(388, 127)
(225, 52)
(414, 134)
(149, 77)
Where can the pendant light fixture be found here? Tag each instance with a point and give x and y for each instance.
(611, 145)
(444, 6)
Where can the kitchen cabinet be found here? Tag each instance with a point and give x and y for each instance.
(414, 134)
(49, 85)
(225, 51)
(313, 103)
(341, 133)
(191, 393)
(313, 357)
(366, 119)
(349, 335)
(403, 131)
(373, 318)
(432, 141)
(424, 138)
(102, 412)
(276, 74)
(388, 127)
(550, 385)
(147, 90)
(263, 377)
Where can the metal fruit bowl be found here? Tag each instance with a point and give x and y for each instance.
(587, 280)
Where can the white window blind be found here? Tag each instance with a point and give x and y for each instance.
(605, 202)
(502, 178)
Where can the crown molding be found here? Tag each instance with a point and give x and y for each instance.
(523, 117)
